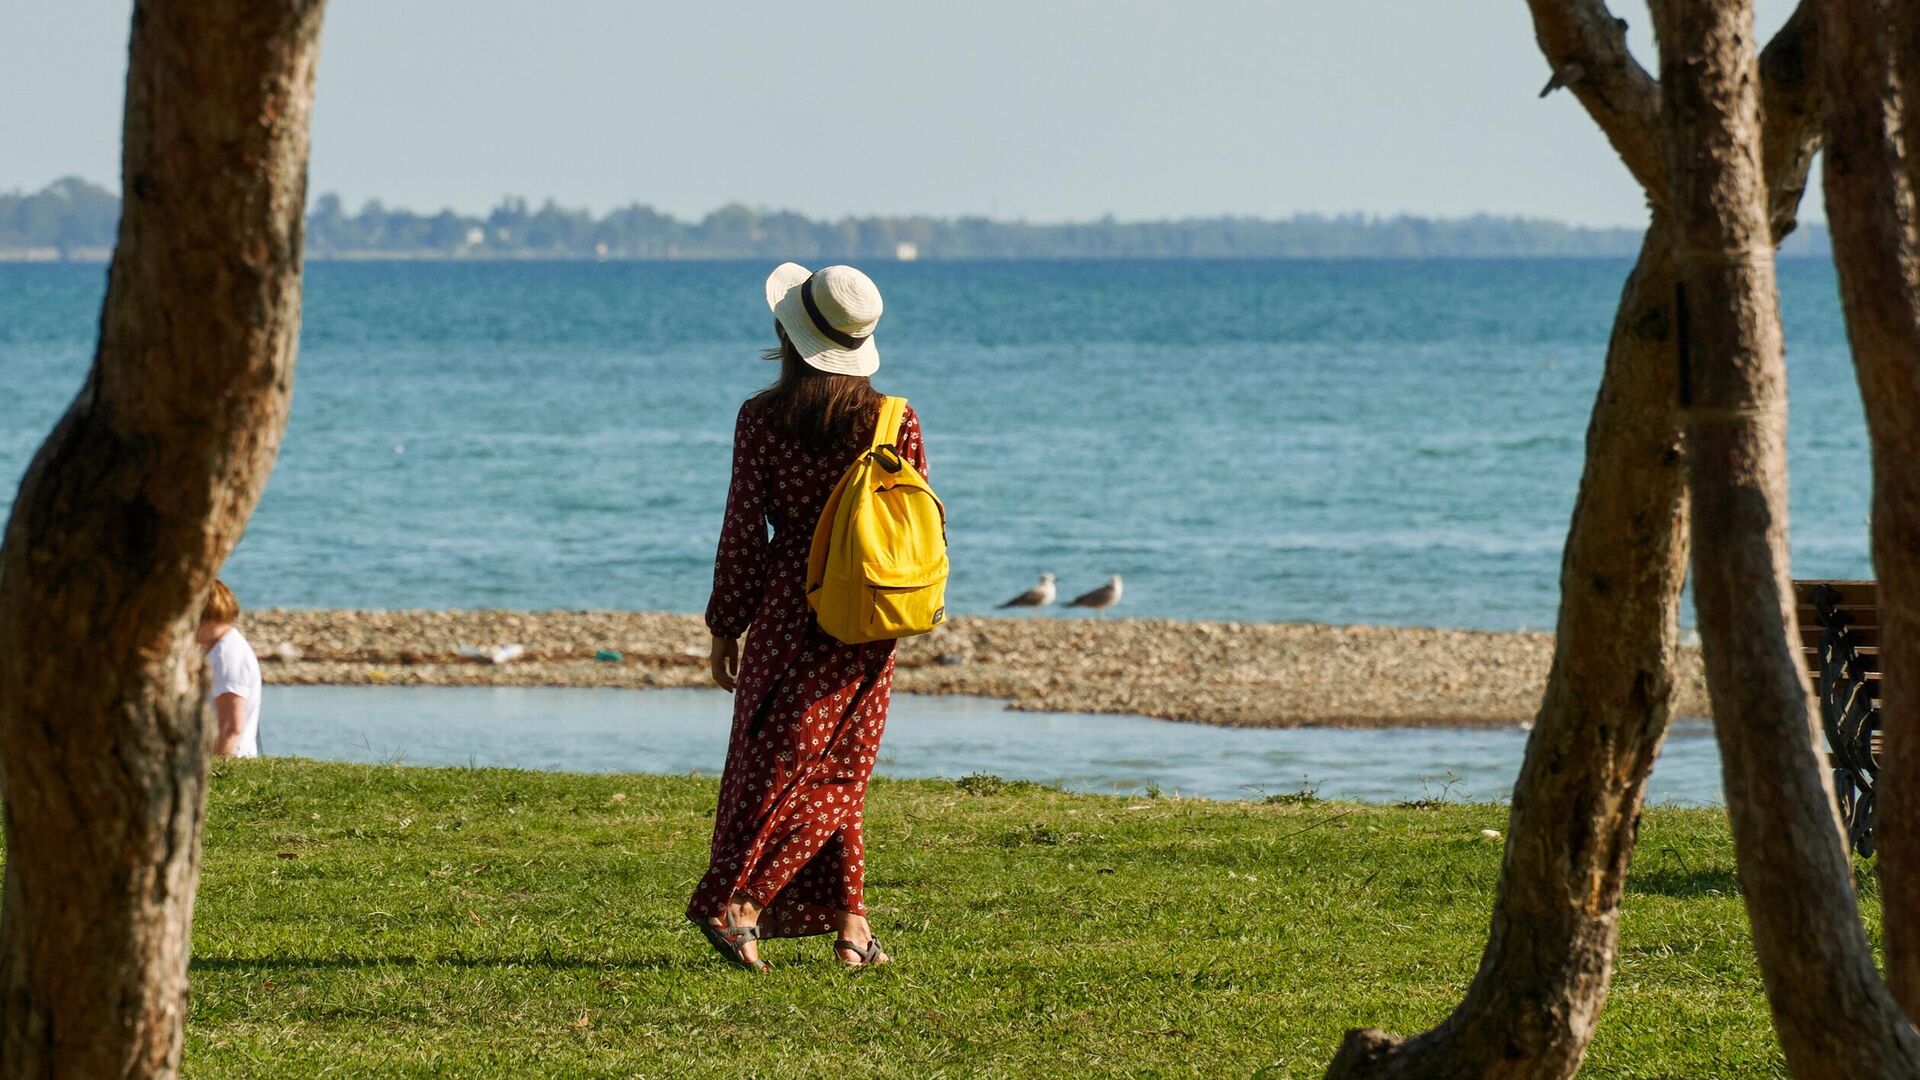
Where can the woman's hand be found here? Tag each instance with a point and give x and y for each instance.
(724, 660)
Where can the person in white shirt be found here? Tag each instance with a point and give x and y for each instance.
(234, 687)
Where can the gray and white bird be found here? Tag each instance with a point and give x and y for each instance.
(1101, 598)
(1039, 596)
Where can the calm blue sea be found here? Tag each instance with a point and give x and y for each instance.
(1366, 442)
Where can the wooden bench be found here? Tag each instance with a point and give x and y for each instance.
(1840, 639)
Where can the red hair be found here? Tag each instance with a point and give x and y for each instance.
(221, 605)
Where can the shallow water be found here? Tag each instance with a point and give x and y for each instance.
(682, 731)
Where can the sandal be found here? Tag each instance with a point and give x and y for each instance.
(869, 954)
(727, 940)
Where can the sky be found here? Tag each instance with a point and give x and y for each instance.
(1046, 110)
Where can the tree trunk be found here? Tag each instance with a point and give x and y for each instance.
(1536, 998)
(1832, 1014)
(122, 522)
(1531, 1008)
(1875, 250)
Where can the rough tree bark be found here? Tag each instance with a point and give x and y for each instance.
(123, 520)
(1536, 998)
(1870, 203)
(1833, 1015)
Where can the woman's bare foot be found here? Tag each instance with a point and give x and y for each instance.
(853, 930)
(742, 911)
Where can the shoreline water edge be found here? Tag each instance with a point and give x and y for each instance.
(1231, 674)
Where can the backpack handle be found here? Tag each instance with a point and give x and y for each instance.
(893, 410)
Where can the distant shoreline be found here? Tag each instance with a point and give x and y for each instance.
(1264, 675)
(37, 257)
(72, 215)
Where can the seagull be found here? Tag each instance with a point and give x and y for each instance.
(1039, 596)
(1101, 598)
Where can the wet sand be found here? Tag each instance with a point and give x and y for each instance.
(1230, 674)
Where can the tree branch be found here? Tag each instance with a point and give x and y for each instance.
(1587, 49)
(1792, 104)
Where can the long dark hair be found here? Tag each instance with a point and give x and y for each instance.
(822, 410)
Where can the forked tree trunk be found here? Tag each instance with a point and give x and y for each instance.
(1831, 1011)
(1536, 998)
(122, 522)
(1877, 254)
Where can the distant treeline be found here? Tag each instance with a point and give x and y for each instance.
(74, 219)
(66, 215)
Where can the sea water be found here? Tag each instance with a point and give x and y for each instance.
(685, 731)
(1350, 442)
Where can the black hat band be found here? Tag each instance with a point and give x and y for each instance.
(820, 323)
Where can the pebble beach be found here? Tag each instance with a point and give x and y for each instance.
(1232, 674)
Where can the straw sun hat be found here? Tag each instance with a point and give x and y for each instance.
(829, 316)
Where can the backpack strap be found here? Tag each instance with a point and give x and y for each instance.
(893, 410)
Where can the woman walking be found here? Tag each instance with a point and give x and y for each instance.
(788, 858)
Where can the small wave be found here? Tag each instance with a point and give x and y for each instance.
(1538, 442)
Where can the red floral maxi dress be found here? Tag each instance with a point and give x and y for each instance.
(807, 709)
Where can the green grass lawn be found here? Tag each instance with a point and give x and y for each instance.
(364, 921)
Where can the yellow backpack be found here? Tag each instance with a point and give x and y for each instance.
(878, 567)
